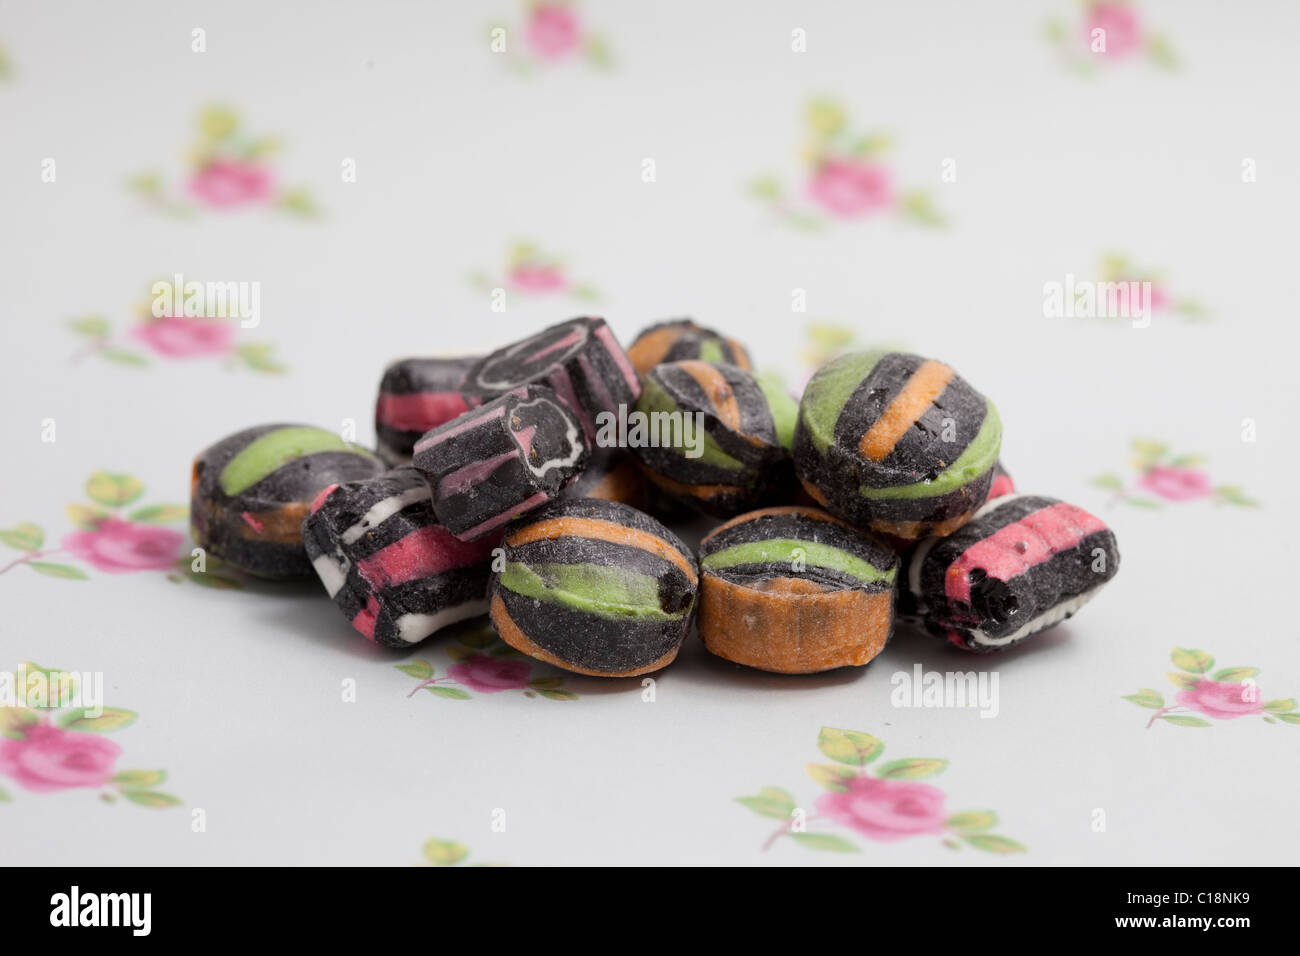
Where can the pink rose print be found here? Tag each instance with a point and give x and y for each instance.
(118, 546)
(885, 804)
(534, 278)
(886, 810)
(1168, 478)
(847, 177)
(554, 31)
(484, 664)
(224, 183)
(1177, 484)
(1110, 32)
(1145, 289)
(489, 675)
(208, 332)
(228, 170)
(1220, 700)
(176, 336)
(1119, 26)
(850, 189)
(529, 270)
(50, 741)
(1223, 694)
(113, 539)
(46, 759)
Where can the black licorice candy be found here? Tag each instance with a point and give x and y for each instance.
(679, 339)
(501, 459)
(595, 587)
(250, 492)
(795, 590)
(580, 359)
(743, 450)
(415, 395)
(1023, 564)
(896, 443)
(393, 571)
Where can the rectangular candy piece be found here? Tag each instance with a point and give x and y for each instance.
(497, 461)
(580, 359)
(394, 572)
(1023, 564)
(415, 395)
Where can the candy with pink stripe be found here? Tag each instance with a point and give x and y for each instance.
(494, 462)
(581, 359)
(416, 394)
(1023, 564)
(391, 568)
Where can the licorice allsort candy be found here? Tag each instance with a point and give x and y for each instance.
(679, 339)
(415, 395)
(795, 590)
(744, 450)
(580, 359)
(1023, 564)
(896, 443)
(594, 587)
(393, 571)
(501, 459)
(250, 492)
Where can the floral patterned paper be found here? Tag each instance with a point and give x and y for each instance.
(483, 664)
(1224, 694)
(113, 540)
(551, 32)
(847, 177)
(228, 169)
(48, 747)
(1165, 478)
(884, 805)
(438, 852)
(171, 338)
(530, 271)
(1109, 32)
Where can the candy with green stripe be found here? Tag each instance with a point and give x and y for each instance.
(251, 491)
(715, 437)
(594, 586)
(801, 543)
(795, 590)
(896, 443)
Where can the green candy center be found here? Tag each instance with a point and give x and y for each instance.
(590, 588)
(830, 390)
(655, 399)
(795, 552)
(273, 451)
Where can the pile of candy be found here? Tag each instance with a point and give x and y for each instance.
(518, 484)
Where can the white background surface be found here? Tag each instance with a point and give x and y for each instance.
(457, 156)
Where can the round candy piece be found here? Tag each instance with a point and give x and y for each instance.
(679, 339)
(580, 359)
(795, 591)
(896, 443)
(394, 572)
(415, 395)
(250, 492)
(1023, 564)
(715, 437)
(594, 587)
(501, 459)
